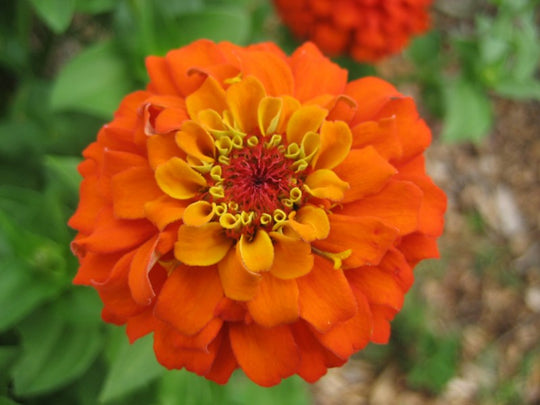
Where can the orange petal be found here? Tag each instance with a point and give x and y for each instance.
(365, 171)
(325, 296)
(268, 114)
(139, 281)
(347, 337)
(131, 190)
(382, 135)
(395, 264)
(266, 355)
(198, 213)
(112, 234)
(305, 119)
(181, 62)
(292, 257)
(224, 363)
(238, 283)
(275, 303)
(164, 211)
(162, 148)
(342, 108)
(417, 246)
(290, 105)
(141, 324)
(95, 268)
(203, 245)
(397, 205)
(178, 180)
(115, 161)
(196, 142)
(381, 315)
(336, 140)
(174, 356)
(324, 183)
(243, 98)
(169, 120)
(209, 96)
(115, 292)
(310, 223)
(314, 74)
(371, 94)
(160, 78)
(378, 286)
(314, 358)
(413, 133)
(368, 238)
(431, 217)
(188, 298)
(273, 72)
(258, 254)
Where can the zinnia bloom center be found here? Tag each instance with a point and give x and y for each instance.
(258, 178)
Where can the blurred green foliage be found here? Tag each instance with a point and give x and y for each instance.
(459, 70)
(64, 67)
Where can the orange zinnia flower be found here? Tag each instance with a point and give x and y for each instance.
(255, 210)
(367, 30)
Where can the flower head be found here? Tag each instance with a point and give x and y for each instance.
(367, 30)
(256, 211)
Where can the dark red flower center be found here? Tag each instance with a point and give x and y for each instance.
(257, 178)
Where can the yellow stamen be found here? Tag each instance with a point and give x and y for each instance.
(337, 258)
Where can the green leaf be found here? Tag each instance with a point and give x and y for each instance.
(56, 349)
(174, 8)
(467, 112)
(291, 391)
(63, 177)
(28, 270)
(7, 401)
(95, 6)
(215, 23)
(519, 90)
(56, 14)
(93, 82)
(7, 355)
(133, 366)
(435, 362)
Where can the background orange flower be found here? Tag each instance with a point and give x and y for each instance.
(256, 211)
(367, 30)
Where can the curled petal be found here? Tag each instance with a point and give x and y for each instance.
(292, 257)
(305, 119)
(202, 245)
(209, 96)
(178, 180)
(268, 114)
(238, 283)
(198, 213)
(336, 140)
(243, 99)
(257, 254)
(310, 223)
(196, 142)
(324, 183)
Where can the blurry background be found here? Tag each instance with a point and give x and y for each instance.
(470, 329)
